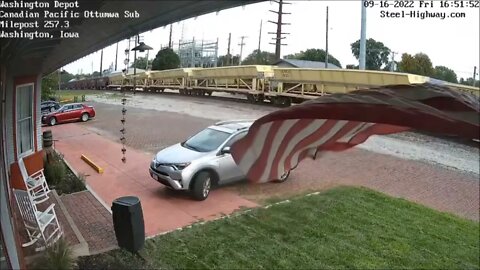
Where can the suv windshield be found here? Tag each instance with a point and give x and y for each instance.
(206, 140)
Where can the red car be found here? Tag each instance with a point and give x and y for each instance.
(69, 112)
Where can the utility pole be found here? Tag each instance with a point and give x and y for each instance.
(474, 74)
(215, 64)
(363, 37)
(392, 64)
(241, 49)
(116, 57)
(278, 35)
(101, 63)
(260, 37)
(183, 30)
(134, 60)
(170, 38)
(326, 45)
(135, 64)
(228, 49)
(60, 78)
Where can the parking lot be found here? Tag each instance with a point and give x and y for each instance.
(157, 121)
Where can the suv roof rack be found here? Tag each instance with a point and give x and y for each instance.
(233, 122)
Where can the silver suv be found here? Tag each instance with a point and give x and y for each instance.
(203, 160)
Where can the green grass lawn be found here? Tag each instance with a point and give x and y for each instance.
(70, 94)
(340, 228)
(67, 96)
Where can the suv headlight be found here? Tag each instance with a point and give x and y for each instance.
(180, 166)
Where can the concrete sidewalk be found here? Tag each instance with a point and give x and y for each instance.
(163, 209)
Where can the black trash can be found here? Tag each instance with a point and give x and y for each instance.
(128, 223)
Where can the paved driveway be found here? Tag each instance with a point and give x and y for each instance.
(163, 210)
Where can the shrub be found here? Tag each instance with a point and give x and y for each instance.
(54, 169)
(58, 256)
(59, 176)
(71, 183)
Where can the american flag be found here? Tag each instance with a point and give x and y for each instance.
(277, 142)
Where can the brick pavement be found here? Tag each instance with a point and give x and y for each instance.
(439, 188)
(161, 210)
(92, 219)
(147, 130)
(434, 186)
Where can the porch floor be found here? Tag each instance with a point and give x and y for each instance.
(69, 232)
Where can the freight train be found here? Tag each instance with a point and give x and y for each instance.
(259, 83)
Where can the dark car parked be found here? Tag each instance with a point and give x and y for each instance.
(69, 112)
(49, 106)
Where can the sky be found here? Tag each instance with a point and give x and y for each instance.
(452, 42)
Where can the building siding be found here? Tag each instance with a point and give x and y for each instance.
(38, 120)
(7, 226)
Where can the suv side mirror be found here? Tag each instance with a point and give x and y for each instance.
(225, 150)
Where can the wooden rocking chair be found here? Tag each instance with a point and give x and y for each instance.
(39, 225)
(36, 183)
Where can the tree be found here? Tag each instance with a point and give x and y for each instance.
(141, 62)
(419, 64)
(469, 82)
(49, 85)
(376, 54)
(165, 59)
(351, 67)
(95, 74)
(445, 74)
(259, 58)
(314, 55)
(227, 60)
(65, 76)
(388, 67)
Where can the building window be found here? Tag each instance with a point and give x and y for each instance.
(24, 116)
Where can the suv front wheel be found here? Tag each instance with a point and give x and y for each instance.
(201, 186)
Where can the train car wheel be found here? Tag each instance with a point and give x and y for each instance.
(286, 101)
(259, 99)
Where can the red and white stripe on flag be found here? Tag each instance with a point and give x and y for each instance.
(278, 141)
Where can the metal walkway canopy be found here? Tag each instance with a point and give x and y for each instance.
(46, 55)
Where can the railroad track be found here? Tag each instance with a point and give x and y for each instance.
(238, 98)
